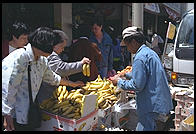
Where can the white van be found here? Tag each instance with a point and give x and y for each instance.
(178, 58)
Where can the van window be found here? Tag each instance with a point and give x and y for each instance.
(186, 33)
(185, 40)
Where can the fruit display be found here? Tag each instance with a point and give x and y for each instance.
(86, 70)
(106, 91)
(127, 69)
(69, 103)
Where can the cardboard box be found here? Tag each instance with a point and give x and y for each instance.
(88, 120)
(58, 123)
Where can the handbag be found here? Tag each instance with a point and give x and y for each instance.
(34, 112)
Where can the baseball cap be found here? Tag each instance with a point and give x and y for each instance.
(128, 32)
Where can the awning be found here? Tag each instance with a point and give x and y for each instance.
(152, 7)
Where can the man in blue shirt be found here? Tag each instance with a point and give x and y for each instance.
(148, 80)
(104, 43)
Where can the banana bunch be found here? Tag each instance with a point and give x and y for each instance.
(106, 91)
(64, 103)
(86, 70)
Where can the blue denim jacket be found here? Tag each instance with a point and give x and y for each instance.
(106, 51)
(148, 80)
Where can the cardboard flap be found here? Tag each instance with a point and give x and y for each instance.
(89, 105)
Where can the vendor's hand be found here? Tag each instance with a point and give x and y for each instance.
(8, 123)
(77, 84)
(86, 60)
(114, 79)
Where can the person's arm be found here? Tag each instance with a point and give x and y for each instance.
(138, 80)
(11, 79)
(63, 68)
(110, 59)
(54, 79)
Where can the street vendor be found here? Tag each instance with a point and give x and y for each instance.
(148, 80)
(15, 93)
(57, 65)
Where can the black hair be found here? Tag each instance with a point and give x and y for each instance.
(97, 21)
(139, 37)
(17, 29)
(42, 38)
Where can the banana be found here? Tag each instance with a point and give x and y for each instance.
(68, 111)
(77, 117)
(59, 90)
(87, 86)
(105, 105)
(70, 95)
(88, 70)
(44, 102)
(70, 115)
(49, 104)
(55, 94)
(101, 100)
(97, 86)
(65, 95)
(84, 71)
(93, 92)
(55, 111)
(75, 96)
(82, 126)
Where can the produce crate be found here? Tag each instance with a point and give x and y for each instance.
(54, 122)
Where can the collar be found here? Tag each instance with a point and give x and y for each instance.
(30, 52)
(142, 46)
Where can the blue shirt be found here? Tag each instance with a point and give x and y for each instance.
(106, 51)
(149, 81)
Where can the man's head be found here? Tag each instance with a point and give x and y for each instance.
(97, 25)
(133, 38)
(60, 41)
(18, 34)
(42, 39)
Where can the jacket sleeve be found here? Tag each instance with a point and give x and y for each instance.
(138, 80)
(11, 79)
(63, 68)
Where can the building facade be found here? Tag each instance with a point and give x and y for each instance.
(75, 18)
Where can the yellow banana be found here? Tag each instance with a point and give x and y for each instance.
(87, 86)
(101, 100)
(82, 126)
(65, 95)
(88, 70)
(59, 90)
(75, 96)
(97, 86)
(84, 69)
(70, 95)
(105, 105)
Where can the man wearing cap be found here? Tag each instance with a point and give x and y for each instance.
(148, 80)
